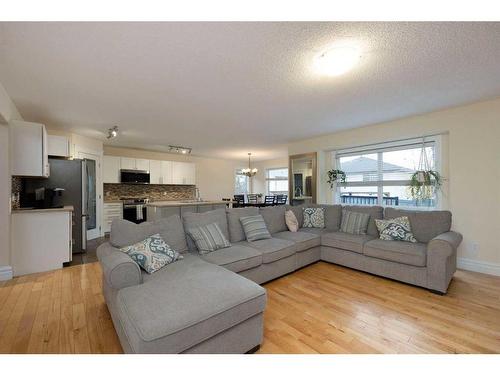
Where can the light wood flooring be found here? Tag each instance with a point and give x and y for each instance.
(322, 308)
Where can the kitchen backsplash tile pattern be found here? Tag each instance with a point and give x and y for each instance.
(153, 192)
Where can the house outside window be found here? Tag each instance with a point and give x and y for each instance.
(241, 183)
(380, 174)
(277, 181)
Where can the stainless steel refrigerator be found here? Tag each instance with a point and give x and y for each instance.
(78, 179)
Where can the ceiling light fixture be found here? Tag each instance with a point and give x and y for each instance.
(112, 132)
(179, 150)
(249, 172)
(337, 60)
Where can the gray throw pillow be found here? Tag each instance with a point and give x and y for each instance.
(314, 217)
(208, 238)
(354, 222)
(397, 229)
(152, 253)
(255, 228)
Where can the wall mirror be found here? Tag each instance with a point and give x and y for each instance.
(302, 178)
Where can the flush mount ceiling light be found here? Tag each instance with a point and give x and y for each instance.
(179, 150)
(337, 60)
(112, 132)
(249, 172)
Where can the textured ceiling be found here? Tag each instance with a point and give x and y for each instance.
(228, 88)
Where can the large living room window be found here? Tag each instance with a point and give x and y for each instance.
(241, 183)
(380, 174)
(277, 181)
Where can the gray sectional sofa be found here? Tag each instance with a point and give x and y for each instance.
(213, 304)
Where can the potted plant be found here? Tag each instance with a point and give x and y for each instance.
(336, 176)
(424, 183)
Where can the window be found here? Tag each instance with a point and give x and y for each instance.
(380, 174)
(277, 181)
(241, 183)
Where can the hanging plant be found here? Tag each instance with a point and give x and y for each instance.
(425, 182)
(336, 175)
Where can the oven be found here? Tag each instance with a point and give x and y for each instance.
(134, 209)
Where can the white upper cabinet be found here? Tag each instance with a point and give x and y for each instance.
(183, 173)
(58, 146)
(166, 172)
(127, 163)
(111, 169)
(29, 149)
(142, 164)
(155, 172)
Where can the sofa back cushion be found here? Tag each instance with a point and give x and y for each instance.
(375, 212)
(274, 217)
(236, 233)
(125, 233)
(193, 220)
(425, 225)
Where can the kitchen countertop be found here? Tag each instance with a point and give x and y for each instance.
(113, 201)
(183, 203)
(48, 210)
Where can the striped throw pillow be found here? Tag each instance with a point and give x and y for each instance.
(208, 238)
(255, 228)
(354, 222)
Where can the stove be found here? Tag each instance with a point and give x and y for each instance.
(134, 209)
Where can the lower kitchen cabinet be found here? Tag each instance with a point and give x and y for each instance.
(111, 212)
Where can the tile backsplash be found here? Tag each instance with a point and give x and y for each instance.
(153, 192)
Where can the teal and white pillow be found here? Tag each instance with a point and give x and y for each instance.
(255, 228)
(208, 238)
(314, 217)
(354, 222)
(397, 229)
(152, 254)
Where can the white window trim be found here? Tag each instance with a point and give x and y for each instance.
(391, 146)
(274, 178)
(237, 171)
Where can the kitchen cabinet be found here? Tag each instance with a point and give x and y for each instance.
(142, 164)
(111, 169)
(155, 172)
(166, 172)
(58, 146)
(29, 149)
(183, 173)
(127, 163)
(111, 212)
(41, 240)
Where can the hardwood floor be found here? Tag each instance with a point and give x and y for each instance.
(322, 308)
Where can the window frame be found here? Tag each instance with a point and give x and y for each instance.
(238, 172)
(379, 149)
(270, 179)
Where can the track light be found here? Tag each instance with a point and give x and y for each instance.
(179, 150)
(112, 132)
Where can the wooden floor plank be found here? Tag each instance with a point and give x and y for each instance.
(322, 308)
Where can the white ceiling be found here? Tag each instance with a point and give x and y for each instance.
(228, 88)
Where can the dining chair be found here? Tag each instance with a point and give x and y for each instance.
(239, 198)
(269, 200)
(252, 198)
(281, 198)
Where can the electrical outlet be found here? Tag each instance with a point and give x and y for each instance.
(474, 247)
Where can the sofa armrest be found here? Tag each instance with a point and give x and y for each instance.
(442, 260)
(119, 270)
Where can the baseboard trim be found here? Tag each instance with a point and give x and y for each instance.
(478, 266)
(5, 273)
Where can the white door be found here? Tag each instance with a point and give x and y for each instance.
(94, 191)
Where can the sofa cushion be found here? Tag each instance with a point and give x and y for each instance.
(185, 305)
(193, 220)
(317, 231)
(397, 229)
(274, 249)
(236, 233)
(375, 212)
(354, 222)
(425, 225)
(302, 239)
(291, 221)
(298, 212)
(274, 217)
(346, 241)
(333, 215)
(397, 251)
(208, 238)
(125, 233)
(237, 258)
(314, 217)
(255, 228)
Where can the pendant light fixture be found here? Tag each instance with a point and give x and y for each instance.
(249, 172)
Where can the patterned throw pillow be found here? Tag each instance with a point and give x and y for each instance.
(314, 217)
(208, 238)
(354, 222)
(152, 253)
(397, 229)
(291, 221)
(255, 228)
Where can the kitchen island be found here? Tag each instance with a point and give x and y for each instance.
(161, 209)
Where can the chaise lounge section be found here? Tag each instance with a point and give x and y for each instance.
(213, 304)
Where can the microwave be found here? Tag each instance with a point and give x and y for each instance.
(132, 176)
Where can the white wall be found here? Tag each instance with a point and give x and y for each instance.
(259, 180)
(471, 165)
(214, 177)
